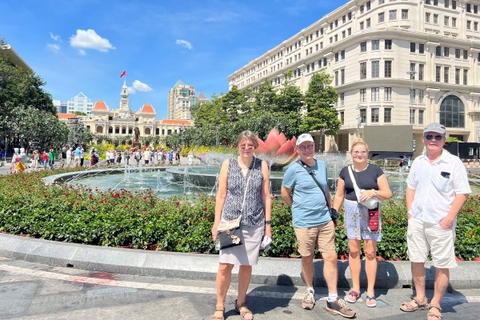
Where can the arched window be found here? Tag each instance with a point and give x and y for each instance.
(452, 112)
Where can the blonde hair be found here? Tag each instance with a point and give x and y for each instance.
(247, 134)
(357, 142)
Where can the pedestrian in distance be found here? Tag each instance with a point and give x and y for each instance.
(243, 193)
(362, 223)
(313, 224)
(437, 188)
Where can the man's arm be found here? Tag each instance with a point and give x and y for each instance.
(287, 195)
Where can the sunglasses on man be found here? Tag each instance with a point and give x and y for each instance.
(431, 136)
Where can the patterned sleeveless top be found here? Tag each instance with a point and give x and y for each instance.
(253, 212)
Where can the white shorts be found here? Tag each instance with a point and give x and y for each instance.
(425, 237)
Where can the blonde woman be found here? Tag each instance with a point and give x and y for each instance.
(238, 174)
(362, 223)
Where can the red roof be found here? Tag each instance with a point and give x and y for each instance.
(147, 108)
(100, 106)
(66, 115)
(176, 121)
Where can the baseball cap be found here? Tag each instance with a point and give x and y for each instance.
(304, 137)
(435, 127)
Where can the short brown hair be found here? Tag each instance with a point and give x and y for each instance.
(247, 134)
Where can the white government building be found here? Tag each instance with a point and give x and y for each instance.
(403, 62)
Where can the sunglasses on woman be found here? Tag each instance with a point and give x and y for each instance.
(431, 136)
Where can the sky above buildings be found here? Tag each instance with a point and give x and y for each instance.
(85, 45)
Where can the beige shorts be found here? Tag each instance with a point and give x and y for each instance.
(424, 237)
(321, 237)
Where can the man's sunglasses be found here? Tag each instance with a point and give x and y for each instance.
(431, 136)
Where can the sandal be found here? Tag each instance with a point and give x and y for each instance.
(413, 305)
(352, 296)
(243, 310)
(371, 302)
(216, 315)
(436, 315)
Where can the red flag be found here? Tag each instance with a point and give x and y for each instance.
(124, 73)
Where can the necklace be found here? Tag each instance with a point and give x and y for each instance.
(357, 170)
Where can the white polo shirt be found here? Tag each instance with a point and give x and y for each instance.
(436, 185)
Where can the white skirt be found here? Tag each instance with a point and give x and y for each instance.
(246, 254)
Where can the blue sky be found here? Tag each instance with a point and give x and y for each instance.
(84, 45)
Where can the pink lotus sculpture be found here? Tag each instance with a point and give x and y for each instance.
(277, 150)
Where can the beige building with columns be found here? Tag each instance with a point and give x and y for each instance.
(407, 62)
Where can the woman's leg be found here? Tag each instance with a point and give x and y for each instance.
(354, 263)
(224, 277)
(370, 249)
(244, 276)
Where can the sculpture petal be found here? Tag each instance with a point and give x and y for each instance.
(286, 149)
(272, 143)
(282, 139)
(262, 148)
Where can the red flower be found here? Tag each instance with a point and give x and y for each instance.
(177, 203)
(126, 206)
(471, 234)
(46, 196)
(207, 217)
(93, 209)
(144, 213)
(205, 209)
(90, 196)
(67, 194)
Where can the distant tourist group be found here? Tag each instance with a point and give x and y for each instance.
(437, 188)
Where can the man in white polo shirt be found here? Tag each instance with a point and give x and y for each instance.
(437, 188)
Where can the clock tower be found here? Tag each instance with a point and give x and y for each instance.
(124, 104)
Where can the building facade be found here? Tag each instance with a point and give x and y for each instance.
(404, 62)
(123, 121)
(79, 103)
(181, 98)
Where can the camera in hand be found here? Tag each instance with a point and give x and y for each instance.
(373, 219)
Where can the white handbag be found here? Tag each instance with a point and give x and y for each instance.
(371, 203)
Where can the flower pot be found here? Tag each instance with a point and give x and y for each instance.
(476, 259)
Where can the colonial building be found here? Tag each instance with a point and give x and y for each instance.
(181, 98)
(122, 121)
(408, 62)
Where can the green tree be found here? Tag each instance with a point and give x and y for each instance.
(289, 103)
(320, 99)
(234, 102)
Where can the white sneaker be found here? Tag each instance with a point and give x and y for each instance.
(308, 301)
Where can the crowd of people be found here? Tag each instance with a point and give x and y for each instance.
(361, 186)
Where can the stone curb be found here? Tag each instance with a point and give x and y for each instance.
(271, 271)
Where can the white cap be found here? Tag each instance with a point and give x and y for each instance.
(304, 137)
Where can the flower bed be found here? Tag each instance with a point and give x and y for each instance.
(141, 220)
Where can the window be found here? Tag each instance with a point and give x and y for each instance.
(457, 53)
(427, 17)
(421, 48)
(465, 54)
(361, 25)
(387, 115)
(381, 17)
(367, 23)
(469, 7)
(342, 99)
(438, 69)
(465, 77)
(363, 94)
(336, 56)
(388, 44)
(349, 16)
(363, 47)
(343, 34)
(349, 31)
(421, 95)
(435, 2)
(412, 116)
(388, 69)
(336, 37)
(421, 71)
(342, 117)
(446, 21)
(367, 5)
(475, 26)
(342, 76)
(412, 96)
(375, 96)
(336, 78)
(325, 62)
(392, 15)
(412, 47)
(427, 1)
(454, 4)
(363, 115)
(454, 22)
(363, 70)
(404, 14)
(457, 75)
(435, 19)
(420, 116)
(452, 112)
(375, 115)
(438, 51)
(412, 70)
(387, 94)
(375, 69)
(446, 3)
(361, 8)
(446, 52)
(469, 24)
(342, 54)
(375, 44)
(381, 1)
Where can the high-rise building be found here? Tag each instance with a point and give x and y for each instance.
(403, 62)
(181, 99)
(80, 103)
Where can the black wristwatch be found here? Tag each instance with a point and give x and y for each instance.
(268, 222)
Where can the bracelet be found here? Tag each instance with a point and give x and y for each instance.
(268, 222)
(374, 192)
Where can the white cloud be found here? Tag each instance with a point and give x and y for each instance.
(139, 86)
(55, 37)
(53, 47)
(89, 39)
(184, 43)
(130, 90)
